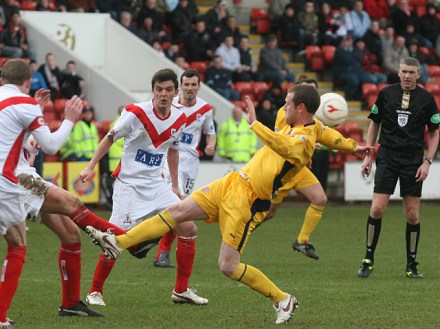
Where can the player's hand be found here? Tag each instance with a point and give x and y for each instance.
(364, 151)
(86, 174)
(251, 117)
(210, 150)
(366, 166)
(42, 96)
(423, 171)
(177, 192)
(73, 109)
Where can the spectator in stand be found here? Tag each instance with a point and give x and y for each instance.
(290, 28)
(373, 41)
(172, 51)
(246, 60)
(45, 5)
(328, 25)
(126, 20)
(429, 24)
(387, 38)
(8, 51)
(16, 36)
(82, 6)
(219, 79)
(403, 16)
(107, 6)
(276, 10)
(345, 25)
(231, 28)
(182, 19)
(411, 35)
(348, 71)
(181, 62)
(157, 45)
(309, 21)
(52, 75)
(199, 43)
(71, 83)
(377, 9)
(392, 57)
(360, 19)
(215, 19)
(149, 9)
(83, 140)
(369, 62)
(231, 59)
(275, 95)
(266, 113)
(414, 52)
(37, 79)
(236, 141)
(9, 7)
(273, 66)
(146, 32)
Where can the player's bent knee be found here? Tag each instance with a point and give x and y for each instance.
(186, 229)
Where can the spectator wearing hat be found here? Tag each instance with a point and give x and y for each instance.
(83, 140)
(273, 66)
(215, 19)
(71, 83)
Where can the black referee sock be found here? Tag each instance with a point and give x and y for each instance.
(412, 242)
(373, 232)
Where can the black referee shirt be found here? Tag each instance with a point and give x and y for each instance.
(403, 128)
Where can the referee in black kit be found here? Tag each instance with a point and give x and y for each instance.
(401, 111)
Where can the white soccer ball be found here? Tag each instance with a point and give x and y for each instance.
(333, 110)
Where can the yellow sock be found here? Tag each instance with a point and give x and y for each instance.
(151, 228)
(256, 280)
(312, 218)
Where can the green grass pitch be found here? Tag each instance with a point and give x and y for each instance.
(329, 291)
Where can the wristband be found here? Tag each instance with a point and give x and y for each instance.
(428, 159)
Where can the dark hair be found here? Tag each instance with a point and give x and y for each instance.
(16, 72)
(189, 74)
(165, 75)
(306, 94)
(71, 62)
(308, 81)
(32, 61)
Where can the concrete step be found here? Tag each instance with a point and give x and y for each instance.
(245, 29)
(256, 46)
(203, 9)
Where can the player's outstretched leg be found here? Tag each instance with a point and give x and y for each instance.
(306, 248)
(285, 308)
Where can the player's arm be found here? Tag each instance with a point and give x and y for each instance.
(333, 139)
(210, 144)
(102, 150)
(173, 165)
(423, 170)
(52, 142)
(373, 133)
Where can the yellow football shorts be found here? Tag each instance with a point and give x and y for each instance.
(232, 203)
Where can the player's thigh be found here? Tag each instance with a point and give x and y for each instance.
(408, 184)
(385, 178)
(12, 210)
(15, 235)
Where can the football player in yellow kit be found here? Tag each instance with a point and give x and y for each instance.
(234, 200)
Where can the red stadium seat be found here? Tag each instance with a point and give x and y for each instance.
(433, 88)
(201, 66)
(312, 51)
(286, 85)
(434, 70)
(244, 88)
(28, 5)
(328, 51)
(3, 60)
(380, 86)
(369, 93)
(49, 106)
(259, 13)
(60, 104)
(437, 101)
(260, 88)
(317, 63)
(262, 26)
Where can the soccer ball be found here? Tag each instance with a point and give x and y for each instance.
(333, 110)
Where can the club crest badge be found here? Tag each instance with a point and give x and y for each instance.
(402, 119)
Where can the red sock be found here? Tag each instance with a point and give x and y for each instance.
(10, 276)
(185, 252)
(69, 262)
(84, 217)
(165, 243)
(102, 271)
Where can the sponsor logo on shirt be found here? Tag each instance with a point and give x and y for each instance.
(402, 119)
(149, 159)
(186, 138)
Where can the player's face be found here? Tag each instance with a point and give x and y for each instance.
(190, 87)
(291, 109)
(164, 92)
(408, 76)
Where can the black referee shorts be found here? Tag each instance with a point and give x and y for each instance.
(392, 165)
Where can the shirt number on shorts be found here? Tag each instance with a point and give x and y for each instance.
(188, 186)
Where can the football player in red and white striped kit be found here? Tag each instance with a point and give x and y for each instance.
(198, 120)
(151, 132)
